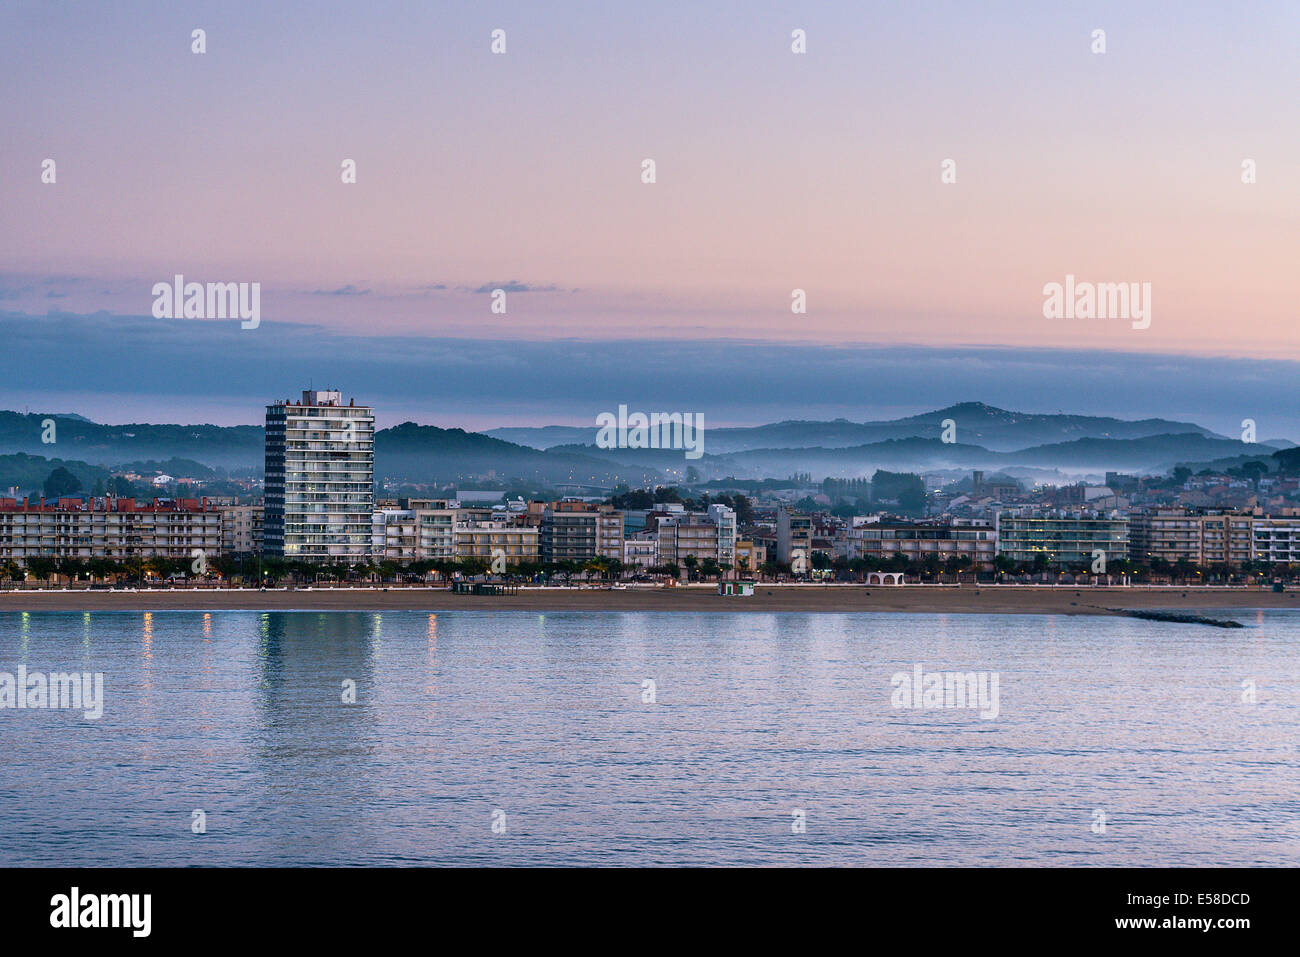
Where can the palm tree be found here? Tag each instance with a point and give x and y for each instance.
(566, 569)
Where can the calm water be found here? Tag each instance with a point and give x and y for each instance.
(460, 715)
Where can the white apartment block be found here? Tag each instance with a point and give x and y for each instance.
(641, 550)
(393, 535)
(724, 517)
(320, 458)
(1276, 540)
(434, 530)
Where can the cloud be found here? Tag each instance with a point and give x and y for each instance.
(514, 285)
(348, 290)
(172, 365)
(17, 286)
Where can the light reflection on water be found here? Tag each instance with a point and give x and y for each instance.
(241, 714)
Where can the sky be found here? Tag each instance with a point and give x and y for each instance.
(774, 171)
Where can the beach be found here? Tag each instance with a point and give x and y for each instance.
(964, 599)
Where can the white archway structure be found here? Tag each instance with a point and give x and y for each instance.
(884, 578)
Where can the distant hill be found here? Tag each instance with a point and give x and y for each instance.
(1004, 431)
(545, 437)
(976, 424)
(29, 472)
(408, 452)
(176, 468)
(75, 437)
(1149, 454)
(1157, 453)
(426, 453)
(986, 438)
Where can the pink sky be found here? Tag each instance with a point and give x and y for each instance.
(775, 171)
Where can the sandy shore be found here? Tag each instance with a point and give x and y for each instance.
(966, 599)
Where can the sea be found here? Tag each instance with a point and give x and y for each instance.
(468, 738)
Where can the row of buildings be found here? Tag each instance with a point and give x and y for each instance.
(1203, 537)
(320, 506)
(408, 531)
(569, 530)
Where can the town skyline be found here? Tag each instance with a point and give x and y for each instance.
(846, 433)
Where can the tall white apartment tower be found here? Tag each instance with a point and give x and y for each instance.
(725, 518)
(320, 472)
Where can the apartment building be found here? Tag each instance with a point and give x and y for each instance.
(435, 523)
(765, 544)
(1065, 540)
(609, 532)
(393, 535)
(576, 531)
(568, 532)
(724, 519)
(241, 529)
(1276, 541)
(1227, 539)
(973, 540)
(320, 462)
(678, 533)
(1170, 534)
(685, 533)
(416, 530)
(640, 550)
(118, 529)
(486, 538)
(1200, 537)
(793, 535)
(750, 557)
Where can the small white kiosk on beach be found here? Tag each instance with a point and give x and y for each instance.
(736, 588)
